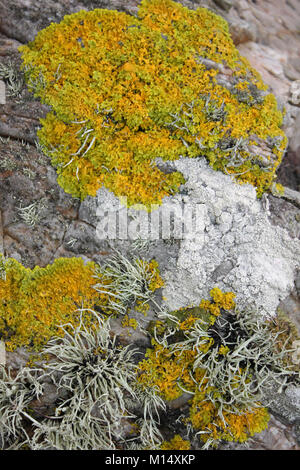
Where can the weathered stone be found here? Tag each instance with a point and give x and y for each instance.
(290, 72)
(224, 4)
(2, 353)
(295, 93)
(286, 405)
(242, 32)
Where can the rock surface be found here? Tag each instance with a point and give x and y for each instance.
(240, 251)
(253, 246)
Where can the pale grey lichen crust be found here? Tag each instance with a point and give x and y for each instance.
(241, 251)
(236, 248)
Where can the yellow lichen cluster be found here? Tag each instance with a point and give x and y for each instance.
(34, 303)
(176, 443)
(156, 281)
(172, 371)
(129, 322)
(220, 300)
(125, 90)
(231, 426)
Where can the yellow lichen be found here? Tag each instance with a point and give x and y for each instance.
(156, 281)
(142, 307)
(125, 90)
(176, 443)
(35, 303)
(172, 370)
(231, 426)
(129, 322)
(220, 300)
(165, 370)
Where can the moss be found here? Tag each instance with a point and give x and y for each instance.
(126, 90)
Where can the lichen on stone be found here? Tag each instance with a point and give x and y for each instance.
(34, 304)
(223, 360)
(126, 90)
(176, 443)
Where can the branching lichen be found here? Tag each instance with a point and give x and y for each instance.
(224, 361)
(34, 303)
(97, 395)
(14, 80)
(16, 393)
(33, 213)
(219, 361)
(95, 375)
(127, 281)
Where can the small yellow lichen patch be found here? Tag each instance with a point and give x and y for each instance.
(176, 443)
(156, 281)
(142, 307)
(277, 189)
(129, 322)
(223, 350)
(223, 299)
(220, 299)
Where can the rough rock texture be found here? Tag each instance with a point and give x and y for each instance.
(240, 251)
(248, 246)
(234, 245)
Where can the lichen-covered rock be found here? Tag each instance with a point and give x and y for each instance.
(240, 248)
(295, 93)
(127, 90)
(221, 234)
(272, 24)
(35, 303)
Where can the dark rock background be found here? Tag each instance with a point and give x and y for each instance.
(267, 32)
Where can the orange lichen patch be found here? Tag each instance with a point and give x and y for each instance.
(221, 300)
(33, 303)
(173, 367)
(231, 427)
(176, 443)
(165, 370)
(125, 91)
